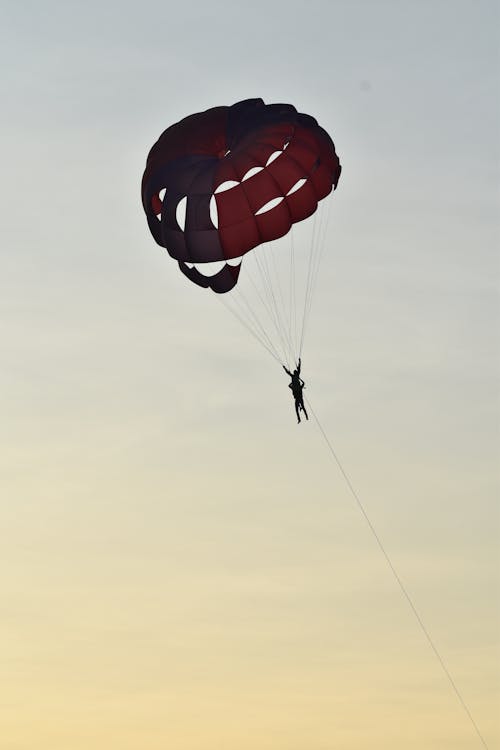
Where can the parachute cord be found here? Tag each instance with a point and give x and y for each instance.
(267, 286)
(249, 328)
(279, 317)
(264, 303)
(317, 261)
(293, 310)
(398, 579)
(322, 246)
(317, 258)
(254, 316)
(308, 282)
(271, 307)
(281, 298)
(263, 334)
(266, 290)
(241, 313)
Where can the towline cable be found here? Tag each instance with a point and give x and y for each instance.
(398, 579)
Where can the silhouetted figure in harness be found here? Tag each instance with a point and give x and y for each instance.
(297, 385)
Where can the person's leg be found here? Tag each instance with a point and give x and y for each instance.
(297, 411)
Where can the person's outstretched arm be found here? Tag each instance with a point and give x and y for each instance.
(298, 366)
(287, 371)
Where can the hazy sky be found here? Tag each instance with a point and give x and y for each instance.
(182, 566)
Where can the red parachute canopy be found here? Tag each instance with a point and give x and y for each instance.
(244, 174)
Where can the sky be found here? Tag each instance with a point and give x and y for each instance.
(181, 565)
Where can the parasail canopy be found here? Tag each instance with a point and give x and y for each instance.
(221, 182)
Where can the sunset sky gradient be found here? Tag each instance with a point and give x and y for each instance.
(181, 566)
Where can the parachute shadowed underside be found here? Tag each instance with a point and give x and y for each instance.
(219, 183)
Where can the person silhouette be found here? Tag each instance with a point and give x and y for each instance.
(297, 385)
